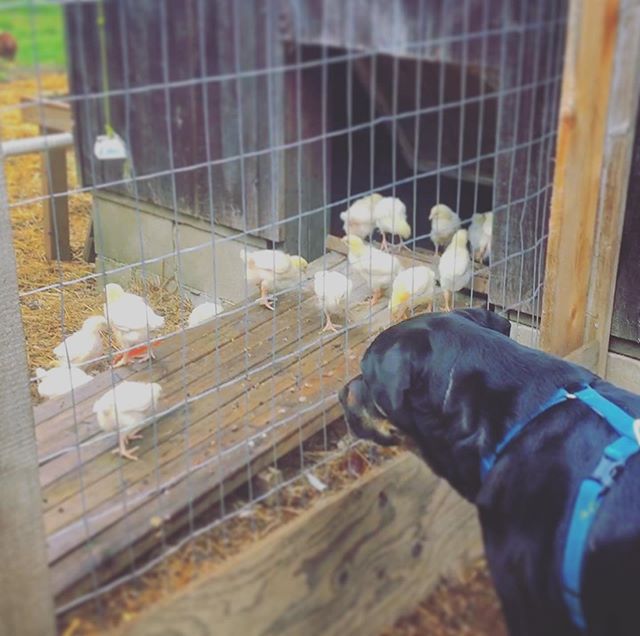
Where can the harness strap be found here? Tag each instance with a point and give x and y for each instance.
(592, 489)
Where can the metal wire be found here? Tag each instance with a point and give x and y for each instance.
(277, 117)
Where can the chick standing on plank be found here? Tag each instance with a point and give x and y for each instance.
(132, 321)
(272, 270)
(391, 218)
(359, 219)
(377, 268)
(83, 345)
(454, 267)
(124, 409)
(480, 232)
(412, 288)
(332, 291)
(204, 312)
(444, 224)
(60, 381)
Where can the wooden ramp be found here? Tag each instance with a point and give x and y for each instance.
(239, 392)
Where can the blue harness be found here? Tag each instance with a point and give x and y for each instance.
(592, 489)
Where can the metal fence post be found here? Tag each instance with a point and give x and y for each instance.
(26, 602)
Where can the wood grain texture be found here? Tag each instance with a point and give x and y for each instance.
(591, 43)
(26, 601)
(49, 114)
(616, 169)
(55, 208)
(330, 572)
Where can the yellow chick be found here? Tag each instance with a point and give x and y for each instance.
(125, 409)
(444, 224)
(480, 233)
(391, 218)
(454, 267)
(204, 312)
(412, 288)
(272, 270)
(377, 268)
(359, 219)
(84, 345)
(332, 291)
(132, 321)
(60, 381)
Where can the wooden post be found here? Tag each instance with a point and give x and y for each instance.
(618, 151)
(333, 573)
(55, 209)
(592, 36)
(26, 602)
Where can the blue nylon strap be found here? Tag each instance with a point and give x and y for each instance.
(592, 489)
(488, 461)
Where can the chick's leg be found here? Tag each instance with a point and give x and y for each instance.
(447, 300)
(377, 295)
(122, 449)
(264, 296)
(329, 326)
(384, 245)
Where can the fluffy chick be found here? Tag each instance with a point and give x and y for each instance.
(412, 288)
(480, 232)
(204, 312)
(60, 381)
(332, 291)
(359, 219)
(444, 224)
(84, 345)
(391, 218)
(272, 270)
(125, 409)
(131, 321)
(454, 267)
(376, 267)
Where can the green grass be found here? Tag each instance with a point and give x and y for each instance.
(39, 31)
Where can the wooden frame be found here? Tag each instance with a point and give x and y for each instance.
(596, 132)
(26, 601)
(53, 117)
(334, 573)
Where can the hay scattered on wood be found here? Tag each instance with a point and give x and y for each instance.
(51, 315)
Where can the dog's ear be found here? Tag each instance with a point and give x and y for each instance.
(487, 319)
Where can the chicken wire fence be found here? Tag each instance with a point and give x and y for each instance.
(212, 141)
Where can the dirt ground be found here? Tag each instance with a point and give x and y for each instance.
(467, 608)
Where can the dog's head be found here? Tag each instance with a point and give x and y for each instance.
(428, 379)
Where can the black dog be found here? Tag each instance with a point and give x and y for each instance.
(456, 385)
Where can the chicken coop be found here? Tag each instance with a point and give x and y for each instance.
(191, 193)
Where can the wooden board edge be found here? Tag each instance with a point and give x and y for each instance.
(333, 573)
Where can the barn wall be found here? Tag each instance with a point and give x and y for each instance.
(626, 308)
(525, 146)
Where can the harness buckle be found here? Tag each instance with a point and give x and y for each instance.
(607, 471)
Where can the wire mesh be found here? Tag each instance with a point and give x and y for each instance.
(236, 127)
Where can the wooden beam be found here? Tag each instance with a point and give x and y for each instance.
(26, 602)
(591, 41)
(329, 572)
(55, 208)
(47, 113)
(618, 152)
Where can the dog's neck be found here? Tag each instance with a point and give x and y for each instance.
(474, 412)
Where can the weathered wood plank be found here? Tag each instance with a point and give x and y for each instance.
(47, 113)
(334, 573)
(55, 208)
(26, 601)
(591, 42)
(616, 168)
